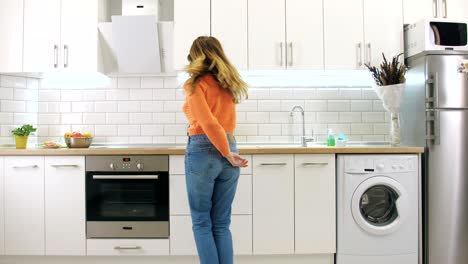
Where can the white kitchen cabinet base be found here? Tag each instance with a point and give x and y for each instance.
(127, 247)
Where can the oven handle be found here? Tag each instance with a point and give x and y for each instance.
(125, 177)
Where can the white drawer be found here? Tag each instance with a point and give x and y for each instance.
(127, 247)
(177, 165)
(179, 201)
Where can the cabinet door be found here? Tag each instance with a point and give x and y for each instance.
(315, 221)
(229, 26)
(455, 9)
(378, 23)
(11, 30)
(273, 204)
(79, 35)
(267, 47)
(24, 206)
(304, 34)
(344, 34)
(415, 10)
(2, 211)
(191, 20)
(127, 247)
(41, 35)
(65, 219)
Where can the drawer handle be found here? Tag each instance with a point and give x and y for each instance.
(25, 167)
(127, 248)
(125, 177)
(315, 164)
(64, 165)
(274, 164)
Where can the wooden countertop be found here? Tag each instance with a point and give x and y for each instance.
(180, 150)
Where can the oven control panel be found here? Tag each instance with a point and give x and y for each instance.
(127, 163)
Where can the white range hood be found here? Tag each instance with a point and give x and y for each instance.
(137, 45)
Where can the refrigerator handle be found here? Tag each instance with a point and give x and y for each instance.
(432, 91)
(432, 127)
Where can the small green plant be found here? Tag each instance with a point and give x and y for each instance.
(389, 73)
(24, 130)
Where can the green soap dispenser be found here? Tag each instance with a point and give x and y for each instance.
(330, 138)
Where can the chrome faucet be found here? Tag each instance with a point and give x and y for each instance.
(304, 139)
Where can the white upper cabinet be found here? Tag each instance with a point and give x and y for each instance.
(455, 9)
(60, 34)
(41, 35)
(304, 34)
(267, 47)
(357, 32)
(191, 20)
(344, 36)
(415, 10)
(24, 206)
(65, 206)
(11, 32)
(383, 31)
(229, 26)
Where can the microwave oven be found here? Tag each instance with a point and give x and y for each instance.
(435, 34)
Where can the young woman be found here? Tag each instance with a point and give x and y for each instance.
(211, 162)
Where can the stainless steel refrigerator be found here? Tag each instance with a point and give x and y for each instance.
(435, 115)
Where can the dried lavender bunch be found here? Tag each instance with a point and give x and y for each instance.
(390, 72)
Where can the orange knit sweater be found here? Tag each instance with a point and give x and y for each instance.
(210, 110)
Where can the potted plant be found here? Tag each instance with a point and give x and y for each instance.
(21, 135)
(389, 85)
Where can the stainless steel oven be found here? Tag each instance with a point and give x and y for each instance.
(127, 196)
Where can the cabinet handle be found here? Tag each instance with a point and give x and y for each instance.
(359, 53)
(65, 55)
(434, 8)
(55, 56)
(127, 248)
(281, 53)
(125, 177)
(444, 2)
(273, 164)
(292, 54)
(65, 165)
(25, 167)
(314, 163)
(369, 53)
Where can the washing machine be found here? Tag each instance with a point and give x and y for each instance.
(377, 209)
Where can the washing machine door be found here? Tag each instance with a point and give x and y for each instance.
(379, 205)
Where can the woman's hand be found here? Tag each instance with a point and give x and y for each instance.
(236, 160)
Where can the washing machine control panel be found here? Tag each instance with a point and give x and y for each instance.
(368, 164)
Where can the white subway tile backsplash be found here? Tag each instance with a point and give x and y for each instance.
(32, 83)
(378, 106)
(49, 95)
(328, 93)
(82, 107)
(6, 118)
(291, 129)
(172, 82)
(117, 140)
(181, 140)
(173, 106)
(152, 82)
(381, 129)
(140, 140)
(279, 117)
(164, 118)
(350, 117)
(94, 118)
(369, 94)
(361, 105)
(71, 95)
(256, 139)
(181, 118)
(279, 93)
(269, 129)
(247, 106)
(71, 119)
(179, 94)
(26, 95)
(350, 93)
(340, 129)
(373, 138)
(42, 131)
(338, 105)
(152, 130)
(257, 117)
(23, 118)
(164, 94)
(84, 128)
(105, 130)
(328, 117)
(128, 130)
(43, 107)
(152, 106)
(141, 94)
(12, 81)
(140, 118)
(164, 139)
(117, 118)
(32, 107)
(304, 93)
(175, 130)
(12, 106)
(246, 130)
(6, 93)
(103, 107)
(59, 130)
(129, 82)
(117, 95)
(49, 119)
(259, 93)
(94, 95)
(361, 129)
(373, 117)
(287, 105)
(316, 105)
(129, 107)
(267, 106)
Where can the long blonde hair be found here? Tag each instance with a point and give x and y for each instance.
(207, 57)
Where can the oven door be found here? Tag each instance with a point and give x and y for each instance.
(127, 204)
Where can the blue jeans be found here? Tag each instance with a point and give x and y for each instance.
(211, 186)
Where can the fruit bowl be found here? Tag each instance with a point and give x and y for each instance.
(78, 142)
